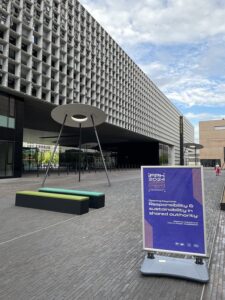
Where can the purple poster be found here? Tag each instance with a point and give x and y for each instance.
(173, 210)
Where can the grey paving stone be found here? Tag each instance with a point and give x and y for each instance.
(96, 255)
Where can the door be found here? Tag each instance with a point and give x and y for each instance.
(6, 159)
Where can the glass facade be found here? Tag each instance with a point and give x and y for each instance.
(6, 158)
(165, 154)
(7, 112)
(11, 135)
(210, 162)
(30, 159)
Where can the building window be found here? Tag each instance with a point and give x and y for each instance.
(1, 63)
(11, 68)
(7, 112)
(13, 26)
(165, 155)
(23, 88)
(24, 47)
(36, 27)
(12, 40)
(34, 52)
(1, 34)
(34, 92)
(35, 40)
(35, 65)
(11, 82)
(12, 53)
(219, 127)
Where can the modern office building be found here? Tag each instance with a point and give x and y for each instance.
(53, 52)
(212, 137)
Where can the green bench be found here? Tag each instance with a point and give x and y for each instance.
(51, 201)
(96, 199)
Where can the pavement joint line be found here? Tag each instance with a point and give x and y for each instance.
(214, 238)
(35, 231)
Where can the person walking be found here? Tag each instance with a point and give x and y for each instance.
(217, 170)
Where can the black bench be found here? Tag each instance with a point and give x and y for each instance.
(56, 202)
(97, 200)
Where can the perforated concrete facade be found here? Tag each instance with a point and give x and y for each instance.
(55, 51)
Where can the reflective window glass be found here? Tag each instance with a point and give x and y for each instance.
(7, 111)
(4, 105)
(6, 159)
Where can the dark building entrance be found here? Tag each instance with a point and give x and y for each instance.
(210, 162)
(122, 147)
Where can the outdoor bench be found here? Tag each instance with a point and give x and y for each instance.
(96, 199)
(51, 201)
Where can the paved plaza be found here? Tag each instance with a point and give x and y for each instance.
(48, 255)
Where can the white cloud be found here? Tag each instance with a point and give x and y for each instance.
(212, 62)
(197, 92)
(185, 83)
(156, 69)
(155, 21)
(205, 116)
(186, 77)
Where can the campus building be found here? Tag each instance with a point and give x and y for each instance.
(53, 53)
(212, 137)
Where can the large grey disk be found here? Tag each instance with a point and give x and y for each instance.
(193, 146)
(58, 114)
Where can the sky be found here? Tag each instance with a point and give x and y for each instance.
(179, 44)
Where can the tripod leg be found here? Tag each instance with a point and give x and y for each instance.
(100, 148)
(80, 153)
(53, 153)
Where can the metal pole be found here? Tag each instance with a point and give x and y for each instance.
(103, 160)
(195, 156)
(79, 159)
(53, 153)
(181, 141)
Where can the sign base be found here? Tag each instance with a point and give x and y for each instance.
(175, 267)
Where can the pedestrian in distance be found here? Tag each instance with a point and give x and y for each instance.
(217, 170)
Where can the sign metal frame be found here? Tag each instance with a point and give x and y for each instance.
(203, 212)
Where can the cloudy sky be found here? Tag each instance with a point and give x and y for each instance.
(179, 44)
